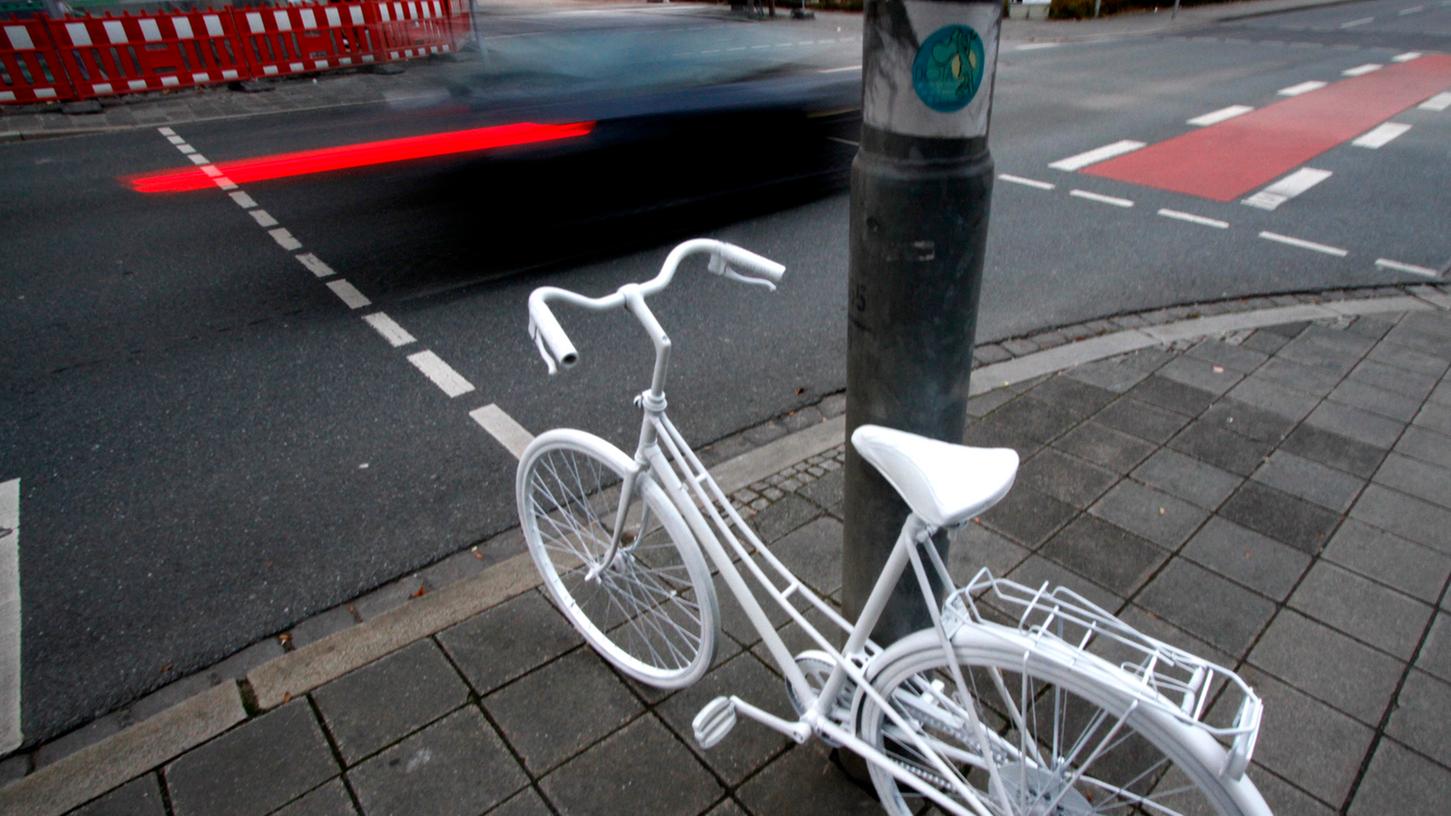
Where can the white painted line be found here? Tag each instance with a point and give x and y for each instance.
(1287, 188)
(1220, 115)
(166, 131)
(434, 368)
(1362, 70)
(395, 334)
(1096, 155)
(1439, 102)
(1036, 46)
(1385, 263)
(243, 200)
(840, 140)
(1411, 10)
(284, 239)
(315, 265)
(199, 159)
(349, 294)
(211, 170)
(503, 428)
(1195, 219)
(1353, 23)
(225, 183)
(10, 736)
(1026, 182)
(1117, 202)
(1302, 244)
(1381, 136)
(184, 147)
(840, 70)
(1406, 57)
(263, 218)
(176, 140)
(1303, 87)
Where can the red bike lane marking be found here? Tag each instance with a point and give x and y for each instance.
(1227, 160)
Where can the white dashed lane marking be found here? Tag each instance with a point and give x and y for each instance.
(1406, 57)
(434, 368)
(1220, 115)
(1303, 87)
(243, 200)
(1412, 10)
(349, 294)
(263, 218)
(1287, 188)
(1362, 70)
(1439, 102)
(1102, 199)
(315, 265)
(395, 334)
(284, 239)
(1353, 23)
(503, 428)
(1303, 244)
(10, 734)
(1096, 155)
(198, 159)
(1194, 219)
(1381, 136)
(1422, 271)
(1026, 182)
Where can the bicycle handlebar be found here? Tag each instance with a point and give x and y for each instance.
(554, 344)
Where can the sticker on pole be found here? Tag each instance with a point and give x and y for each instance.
(948, 68)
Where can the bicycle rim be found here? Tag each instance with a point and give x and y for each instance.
(651, 611)
(1064, 744)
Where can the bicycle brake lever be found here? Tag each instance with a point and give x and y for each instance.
(736, 276)
(543, 352)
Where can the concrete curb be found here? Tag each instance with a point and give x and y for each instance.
(107, 764)
(104, 765)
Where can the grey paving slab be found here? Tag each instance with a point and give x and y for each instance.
(1442, 394)
(984, 404)
(1105, 554)
(726, 808)
(1201, 374)
(1036, 571)
(1419, 719)
(1078, 398)
(642, 768)
(1270, 396)
(1283, 517)
(1334, 450)
(254, 768)
(1435, 656)
(321, 625)
(1103, 446)
(750, 745)
(1112, 375)
(1206, 605)
(1024, 423)
(1066, 478)
(72, 741)
(1354, 423)
(1328, 665)
(1142, 420)
(1426, 445)
(456, 767)
(813, 553)
(804, 782)
(508, 640)
(1363, 609)
(546, 735)
(331, 799)
(1366, 397)
(1238, 454)
(1156, 627)
(1028, 516)
(454, 568)
(1248, 420)
(1370, 326)
(384, 701)
(827, 492)
(1410, 384)
(1172, 395)
(1247, 557)
(1416, 478)
(1335, 352)
(1306, 741)
(1401, 782)
(525, 803)
(1321, 484)
(390, 596)
(1149, 513)
(1399, 356)
(1196, 482)
(1285, 799)
(1412, 568)
(1289, 374)
(1434, 416)
(1416, 339)
(139, 797)
(1234, 358)
(1265, 341)
(976, 547)
(1406, 516)
(783, 516)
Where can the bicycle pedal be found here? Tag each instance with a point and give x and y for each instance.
(714, 722)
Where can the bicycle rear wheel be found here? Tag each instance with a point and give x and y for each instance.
(651, 611)
(1064, 743)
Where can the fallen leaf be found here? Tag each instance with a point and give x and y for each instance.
(420, 592)
(477, 554)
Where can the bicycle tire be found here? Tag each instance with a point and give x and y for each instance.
(1186, 770)
(652, 613)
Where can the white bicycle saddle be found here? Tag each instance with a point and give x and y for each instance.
(944, 484)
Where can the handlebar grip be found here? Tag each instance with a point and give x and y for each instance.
(751, 263)
(550, 336)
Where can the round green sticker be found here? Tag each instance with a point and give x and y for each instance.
(948, 68)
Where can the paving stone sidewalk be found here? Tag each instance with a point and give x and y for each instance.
(1276, 499)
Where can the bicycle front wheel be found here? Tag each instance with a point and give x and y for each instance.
(648, 605)
(1063, 743)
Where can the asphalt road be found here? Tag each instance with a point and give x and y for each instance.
(211, 445)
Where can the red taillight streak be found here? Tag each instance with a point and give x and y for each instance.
(360, 155)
